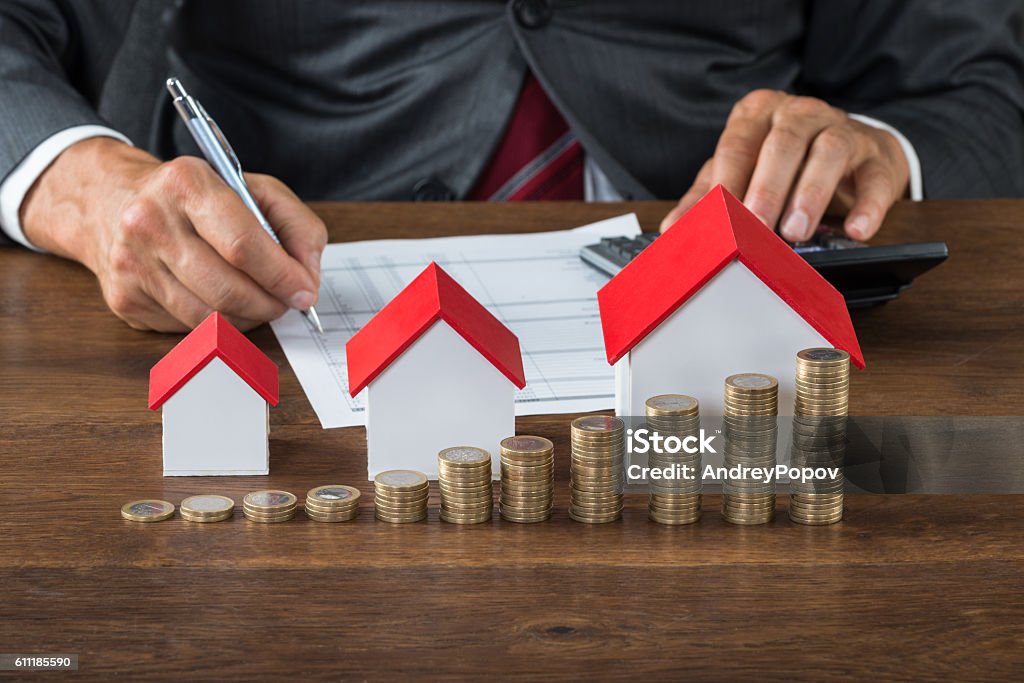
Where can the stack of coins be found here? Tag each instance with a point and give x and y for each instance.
(207, 508)
(269, 507)
(527, 479)
(332, 503)
(751, 430)
(464, 478)
(596, 477)
(147, 510)
(674, 500)
(400, 496)
(819, 433)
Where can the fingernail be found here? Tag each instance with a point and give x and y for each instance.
(857, 227)
(301, 301)
(795, 227)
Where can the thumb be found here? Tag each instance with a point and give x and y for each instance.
(301, 231)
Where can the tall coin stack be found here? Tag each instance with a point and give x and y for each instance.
(751, 430)
(464, 477)
(269, 506)
(332, 503)
(674, 500)
(596, 477)
(400, 496)
(527, 479)
(819, 433)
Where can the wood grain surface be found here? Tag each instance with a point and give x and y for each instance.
(906, 587)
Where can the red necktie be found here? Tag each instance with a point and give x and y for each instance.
(538, 159)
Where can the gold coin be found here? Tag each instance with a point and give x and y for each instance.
(331, 518)
(148, 510)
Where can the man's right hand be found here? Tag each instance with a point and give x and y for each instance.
(171, 242)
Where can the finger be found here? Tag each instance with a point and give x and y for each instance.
(795, 125)
(217, 284)
(300, 230)
(220, 218)
(876, 192)
(738, 147)
(828, 161)
(168, 293)
(147, 315)
(700, 187)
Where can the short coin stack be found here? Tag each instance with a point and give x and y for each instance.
(751, 430)
(819, 433)
(400, 496)
(464, 479)
(674, 500)
(596, 481)
(527, 479)
(332, 503)
(147, 510)
(207, 508)
(269, 507)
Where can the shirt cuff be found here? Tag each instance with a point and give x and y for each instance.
(17, 184)
(913, 163)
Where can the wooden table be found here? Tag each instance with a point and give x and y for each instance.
(923, 587)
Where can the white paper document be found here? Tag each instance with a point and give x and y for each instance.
(534, 283)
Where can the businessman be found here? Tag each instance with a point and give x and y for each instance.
(797, 107)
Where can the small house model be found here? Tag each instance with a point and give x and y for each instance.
(215, 389)
(718, 293)
(439, 370)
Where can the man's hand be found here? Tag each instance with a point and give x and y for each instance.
(171, 242)
(789, 158)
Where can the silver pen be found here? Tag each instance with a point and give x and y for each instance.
(218, 152)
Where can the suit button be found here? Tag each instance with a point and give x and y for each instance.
(532, 13)
(432, 190)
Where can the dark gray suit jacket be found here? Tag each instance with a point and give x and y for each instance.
(365, 100)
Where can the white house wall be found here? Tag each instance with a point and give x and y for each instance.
(440, 392)
(215, 424)
(734, 324)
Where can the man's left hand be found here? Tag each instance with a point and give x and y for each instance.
(790, 158)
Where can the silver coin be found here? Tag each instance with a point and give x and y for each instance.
(824, 355)
(401, 478)
(269, 498)
(752, 381)
(333, 493)
(678, 402)
(464, 455)
(207, 503)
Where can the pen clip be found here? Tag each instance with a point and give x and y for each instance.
(223, 141)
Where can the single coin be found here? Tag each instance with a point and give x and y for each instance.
(461, 456)
(334, 495)
(206, 505)
(672, 404)
(207, 518)
(269, 500)
(148, 510)
(401, 480)
(824, 356)
(527, 444)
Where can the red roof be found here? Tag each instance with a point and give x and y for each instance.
(432, 296)
(716, 231)
(215, 337)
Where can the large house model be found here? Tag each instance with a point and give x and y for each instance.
(718, 293)
(215, 388)
(439, 370)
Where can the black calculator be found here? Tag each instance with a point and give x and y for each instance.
(865, 275)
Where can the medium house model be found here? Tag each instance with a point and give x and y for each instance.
(439, 370)
(215, 388)
(719, 293)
